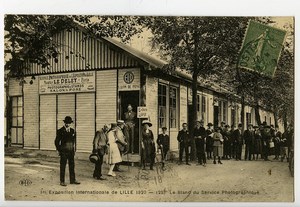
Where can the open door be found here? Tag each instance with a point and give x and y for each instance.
(130, 98)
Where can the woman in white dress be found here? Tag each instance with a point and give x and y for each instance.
(113, 155)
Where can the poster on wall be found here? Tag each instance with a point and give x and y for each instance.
(67, 83)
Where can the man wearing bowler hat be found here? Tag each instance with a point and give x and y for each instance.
(65, 143)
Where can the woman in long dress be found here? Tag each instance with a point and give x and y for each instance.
(148, 145)
(113, 155)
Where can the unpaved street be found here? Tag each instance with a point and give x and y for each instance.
(34, 175)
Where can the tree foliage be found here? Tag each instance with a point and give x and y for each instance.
(29, 38)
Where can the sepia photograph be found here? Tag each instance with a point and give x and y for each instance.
(136, 108)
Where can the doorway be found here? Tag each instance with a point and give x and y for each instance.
(132, 98)
(216, 116)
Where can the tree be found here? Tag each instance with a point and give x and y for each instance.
(272, 93)
(201, 45)
(28, 38)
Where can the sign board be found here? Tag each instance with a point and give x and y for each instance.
(261, 48)
(67, 83)
(142, 112)
(129, 79)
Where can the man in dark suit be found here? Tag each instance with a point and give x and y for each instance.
(65, 143)
(238, 142)
(249, 142)
(130, 118)
(199, 135)
(184, 143)
(100, 147)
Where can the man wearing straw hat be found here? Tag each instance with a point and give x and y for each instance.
(65, 143)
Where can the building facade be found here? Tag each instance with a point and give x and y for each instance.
(93, 80)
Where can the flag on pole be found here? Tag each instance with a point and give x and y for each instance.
(261, 48)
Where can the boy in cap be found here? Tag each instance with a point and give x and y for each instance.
(163, 143)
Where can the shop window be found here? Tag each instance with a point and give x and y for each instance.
(222, 111)
(173, 107)
(203, 109)
(162, 105)
(248, 118)
(17, 120)
(233, 117)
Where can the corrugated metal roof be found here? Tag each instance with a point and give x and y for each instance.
(151, 60)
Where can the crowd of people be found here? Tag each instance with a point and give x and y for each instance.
(225, 142)
(211, 143)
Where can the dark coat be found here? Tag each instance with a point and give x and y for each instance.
(65, 141)
(237, 137)
(148, 153)
(249, 137)
(183, 137)
(163, 140)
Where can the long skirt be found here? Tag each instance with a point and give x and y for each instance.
(258, 146)
(113, 155)
(218, 150)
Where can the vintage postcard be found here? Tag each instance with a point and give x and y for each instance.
(149, 108)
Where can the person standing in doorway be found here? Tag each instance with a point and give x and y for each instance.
(163, 143)
(65, 144)
(184, 142)
(130, 118)
(100, 148)
(200, 135)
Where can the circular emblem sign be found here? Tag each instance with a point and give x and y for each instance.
(128, 77)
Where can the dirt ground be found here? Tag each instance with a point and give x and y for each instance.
(34, 175)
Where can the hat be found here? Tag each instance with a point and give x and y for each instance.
(240, 125)
(223, 122)
(68, 120)
(266, 126)
(120, 122)
(255, 127)
(94, 157)
(113, 125)
(271, 125)
(209, 124)
(226, 125)
(164, 128)
(147, 122)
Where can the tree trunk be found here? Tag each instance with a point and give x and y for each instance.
(193, 115)
(285, 124)
(243, 111)
(257, 116)
(275, 116)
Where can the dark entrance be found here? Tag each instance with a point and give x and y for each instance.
(132, 98)
(216, 116)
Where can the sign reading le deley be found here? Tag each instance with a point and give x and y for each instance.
(142, 112)
(67, 83)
